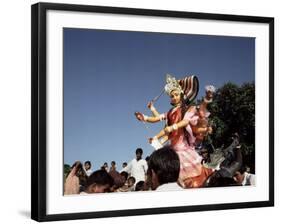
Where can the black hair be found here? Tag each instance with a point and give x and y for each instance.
(166, 165)
(124, 174)
(118, 179)
(132, 178)
(139, 150)
(100, 177)
(113, 162)
(125, 164)
(218, 179)
(88, 162)
(139, 186)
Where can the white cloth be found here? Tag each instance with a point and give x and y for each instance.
(88, 172)
(156, 144)
(249, 179)
(137, 169)
(169, 187)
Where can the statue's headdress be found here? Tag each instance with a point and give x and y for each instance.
(189, 86)
(172, 84)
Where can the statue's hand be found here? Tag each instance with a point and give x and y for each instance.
(139, 116)
(150, 105)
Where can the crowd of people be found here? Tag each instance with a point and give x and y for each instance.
(181, 159)
(160, 172)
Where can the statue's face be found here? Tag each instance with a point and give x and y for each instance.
(175, 97)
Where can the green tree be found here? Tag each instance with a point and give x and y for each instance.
(66, 170)
(233, 110)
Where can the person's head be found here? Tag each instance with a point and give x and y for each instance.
(239, 175)
(113, 164)
(205, 152)
(139, 153)
(219, 179)
(124, 174)
(119, 180)
(205, 157)
(139, 186)
(104, 166)
(176, 97)
(124, 164)
(99, 182)
(131, 181)
(164, 167)
(87, 165)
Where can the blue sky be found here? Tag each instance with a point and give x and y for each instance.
(108, 75)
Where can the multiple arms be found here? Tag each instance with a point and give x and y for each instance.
(155, 118)
(164, 133)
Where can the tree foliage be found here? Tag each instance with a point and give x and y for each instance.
(66, 170)
(233, 110)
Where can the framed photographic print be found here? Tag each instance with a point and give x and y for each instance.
(138, 111)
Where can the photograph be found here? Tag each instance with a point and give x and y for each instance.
(199, 90)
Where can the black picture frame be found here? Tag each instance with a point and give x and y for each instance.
(39, 110)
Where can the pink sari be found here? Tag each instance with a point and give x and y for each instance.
(183, 143)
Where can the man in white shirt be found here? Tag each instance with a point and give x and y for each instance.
(164, 168)
(87, 168)
(137, 168)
